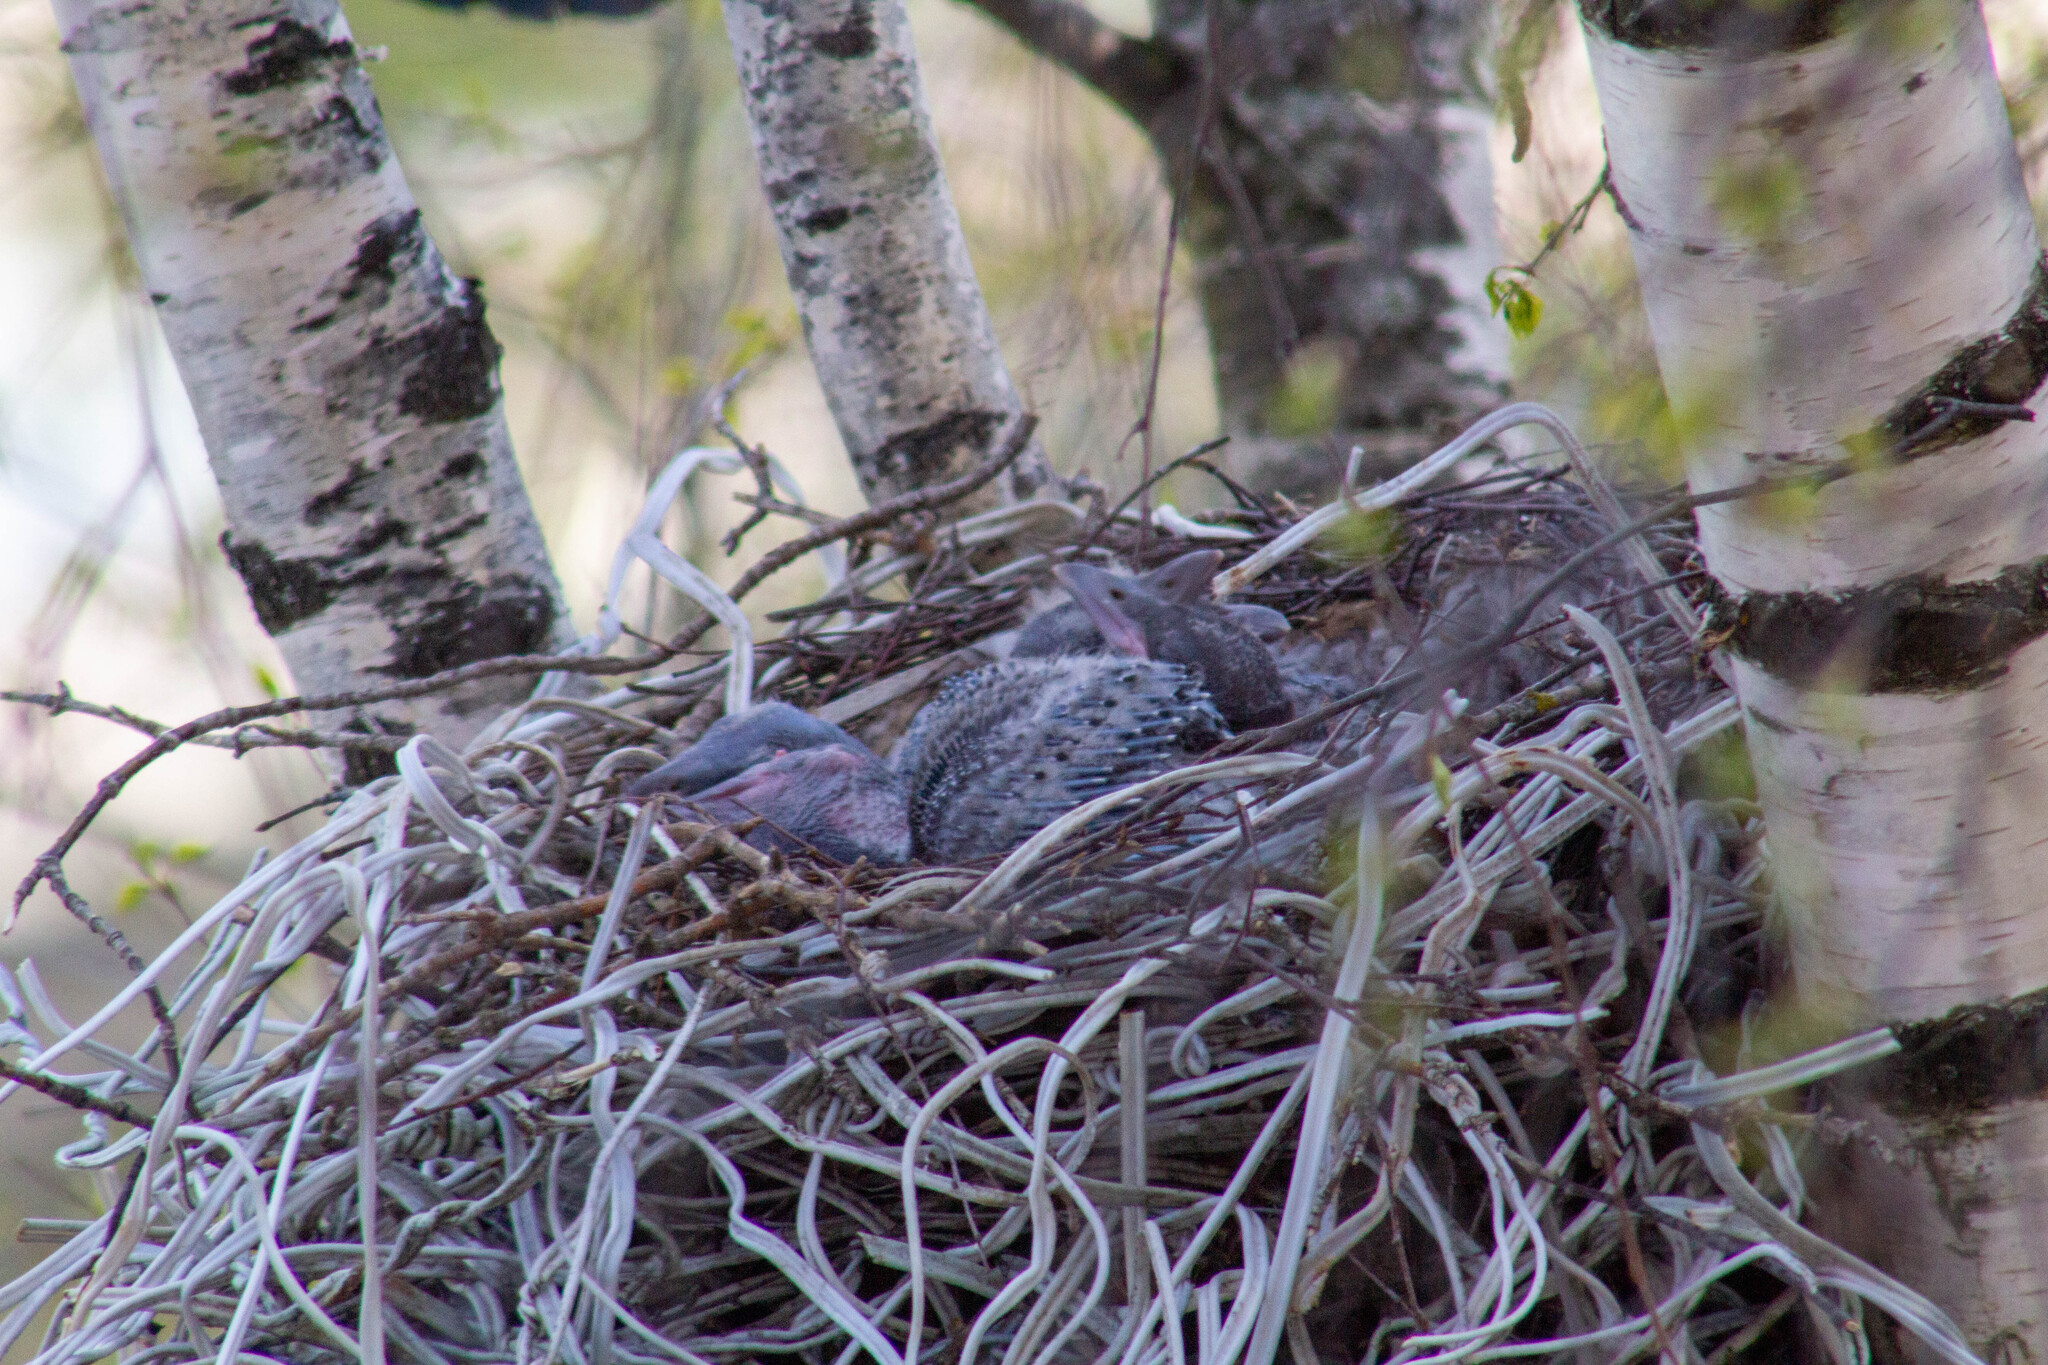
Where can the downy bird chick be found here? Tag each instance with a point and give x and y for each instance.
(1166, 615)
(1003, 751)
(1136, 677)
(812, 784)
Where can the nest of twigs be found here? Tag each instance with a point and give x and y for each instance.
(1377, 1064)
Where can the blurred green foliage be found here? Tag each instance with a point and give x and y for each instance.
(1307, 401)
(1368, 537)
(1758, 199)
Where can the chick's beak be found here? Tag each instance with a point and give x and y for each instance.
(1091, 588)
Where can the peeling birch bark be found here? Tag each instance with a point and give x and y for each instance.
(1341, 219)
(344, 379)
(1835, 249)
(891, 310)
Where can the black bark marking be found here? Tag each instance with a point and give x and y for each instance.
(1728, 25)
(827, 220)
(1914, 634)
(1974, 1058)
(451, 363)
(287, 55)
(394, 240)
(283, 591)
(379, 248)
(382, 530)
(439, 623)
(456, 530)
(1918, 633)
(357, 148)
(464, 466)
(323, 505)
(925, 454)
(2002, 369)
(854, 38)
(785, 188)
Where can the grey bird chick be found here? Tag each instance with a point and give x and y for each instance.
(847, 805)
(1001, 752)
(1165, 615)
(812, 784)
(737, 742)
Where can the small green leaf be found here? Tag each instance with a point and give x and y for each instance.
(266, 681)
(130, 896)
(188, 853)
(1521, 310)
(1440, 779)
(145, 851)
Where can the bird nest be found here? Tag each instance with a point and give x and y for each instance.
(1369, 1038)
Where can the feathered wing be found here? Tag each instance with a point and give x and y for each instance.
(1002, 752)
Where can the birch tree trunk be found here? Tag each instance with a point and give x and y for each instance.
(344, 379)
(1340, 218)
(895, 320)
(1838, 260)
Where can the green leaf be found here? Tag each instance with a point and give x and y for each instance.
(1519, 308)
(266, 681)
(1440, 779)
(130, 896)
(188, 852)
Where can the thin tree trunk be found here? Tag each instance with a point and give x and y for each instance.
(897, 327)
(345, 381)
(1340, 219)
(1836, 251)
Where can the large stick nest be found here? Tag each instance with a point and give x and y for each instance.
(1365, 1046)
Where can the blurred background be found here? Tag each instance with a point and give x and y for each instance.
(596, 175)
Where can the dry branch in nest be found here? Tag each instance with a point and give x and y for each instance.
(1370, 1038)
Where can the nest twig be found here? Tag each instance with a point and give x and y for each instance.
(1376, 1044)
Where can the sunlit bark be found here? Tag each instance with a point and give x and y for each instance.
(1839, 263)
(897, 327)
(344, 379)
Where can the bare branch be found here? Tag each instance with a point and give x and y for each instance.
(1140, 76)
(78, 1097)
(49, 867)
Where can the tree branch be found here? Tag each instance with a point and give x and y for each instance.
(1138, 75)
(49, 867)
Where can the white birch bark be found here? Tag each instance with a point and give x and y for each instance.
(893, 315)
(344, 379)
(1833, 236)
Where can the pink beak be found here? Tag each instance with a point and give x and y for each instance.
(1091, 587)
